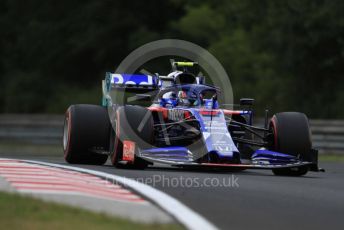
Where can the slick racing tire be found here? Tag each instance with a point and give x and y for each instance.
(291, 135)
(86, 134)
(134, 124)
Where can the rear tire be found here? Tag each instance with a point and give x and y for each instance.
(129, 126)
(291, 135)
(86, 132)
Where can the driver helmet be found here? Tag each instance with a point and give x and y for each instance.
(183, 97)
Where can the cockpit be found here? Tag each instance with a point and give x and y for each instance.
(189, 95)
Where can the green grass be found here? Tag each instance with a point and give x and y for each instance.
(19, 212)
(331, 157)
(20, 148)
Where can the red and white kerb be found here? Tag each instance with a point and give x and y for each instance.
(32, 178)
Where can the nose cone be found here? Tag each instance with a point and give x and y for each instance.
(216, 156)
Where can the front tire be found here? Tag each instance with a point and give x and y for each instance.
(86, 133)
(135, 124)
(291, 135)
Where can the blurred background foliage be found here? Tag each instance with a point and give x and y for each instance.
(288, 55)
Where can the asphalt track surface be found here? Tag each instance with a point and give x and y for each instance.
(254, 200)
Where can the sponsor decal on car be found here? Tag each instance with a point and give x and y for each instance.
(128, 151)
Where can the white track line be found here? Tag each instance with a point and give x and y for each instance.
(190, 219)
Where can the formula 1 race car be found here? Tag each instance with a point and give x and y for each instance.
(179, 120)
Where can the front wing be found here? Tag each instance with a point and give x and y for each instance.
(261, 159)
(194, 165)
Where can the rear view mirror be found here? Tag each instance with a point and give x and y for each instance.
(246, 101)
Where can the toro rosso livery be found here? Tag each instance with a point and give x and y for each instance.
(181, 121)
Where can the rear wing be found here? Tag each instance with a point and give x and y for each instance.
(132, 83)
(114, 80)
(141, 83)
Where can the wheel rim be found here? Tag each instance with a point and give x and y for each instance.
(66, 134)
(273, 129)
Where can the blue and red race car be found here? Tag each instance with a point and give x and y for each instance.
(179, 120)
